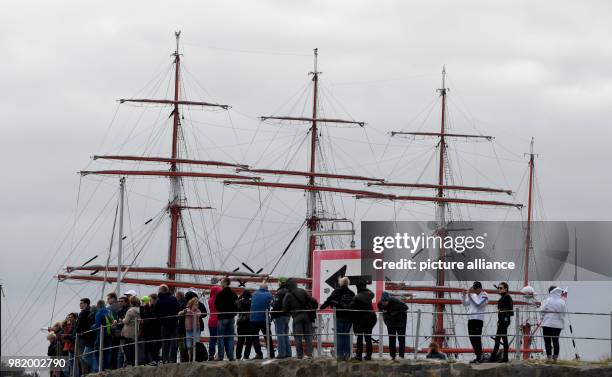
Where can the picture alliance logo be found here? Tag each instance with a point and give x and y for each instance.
(412, 243)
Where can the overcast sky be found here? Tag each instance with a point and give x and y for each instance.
(516, 70)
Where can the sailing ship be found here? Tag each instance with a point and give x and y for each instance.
(322, 227)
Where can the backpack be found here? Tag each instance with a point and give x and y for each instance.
(201, 352)
(311, 304)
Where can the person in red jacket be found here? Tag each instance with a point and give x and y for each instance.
(213, 322)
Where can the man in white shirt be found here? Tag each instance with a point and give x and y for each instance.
(476, 300)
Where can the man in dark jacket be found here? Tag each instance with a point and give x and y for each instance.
(86, 338)
(281, 320)
(225, 302)
(300, 305)
(505, 310)
(151, 328)
(245, 332)
(395, 317)
(166, 309)
(341, 299)
(363, 320)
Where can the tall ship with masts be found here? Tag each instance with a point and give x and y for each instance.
(194, 222)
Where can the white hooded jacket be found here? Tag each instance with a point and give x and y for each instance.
(553, 310)
(477, 304)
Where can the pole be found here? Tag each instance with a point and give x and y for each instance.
(610, 334)
(268, 340)
(529, 212)
(75, 363)
(120, 238)
(575, 254)
(517, 337)
(319, 334)
(381, 338)
(101, 350)
(196, 321)
(1, 294)
(416, 336)
(336, 334)
(136, 326)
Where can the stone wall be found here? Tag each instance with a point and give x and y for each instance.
(327, 367)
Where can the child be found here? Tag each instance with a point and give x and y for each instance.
(192, 325)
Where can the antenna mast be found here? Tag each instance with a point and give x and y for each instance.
(120, 239)
(529, 214)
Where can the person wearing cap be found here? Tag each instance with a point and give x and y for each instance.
(395, 318)
(505, 311)
(476, 300)
(281, 320)
(129, 293)
(340, 299)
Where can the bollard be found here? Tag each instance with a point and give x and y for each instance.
(268, 337)
(416, 335)
(75, 362)
(101, 350)
(196, 325)
(381, 338)
(336, 334)
(517, 337)
(136, 323)
(319, 334)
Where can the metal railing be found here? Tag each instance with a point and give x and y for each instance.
(316, 336)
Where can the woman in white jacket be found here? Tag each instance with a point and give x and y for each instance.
(553, 311)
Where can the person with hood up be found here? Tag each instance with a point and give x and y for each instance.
(364, 320)
(341, 299)
(166, 308)
(300, 305)
(281, 320)
(262, 300)
(213, 321)
(225, 302)
(243, 325)
(395, 318)
(505, 311)
(104, 318)
(476, 299)
(553, 311)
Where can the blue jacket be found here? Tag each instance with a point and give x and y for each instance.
(100, 318)
(262, 299)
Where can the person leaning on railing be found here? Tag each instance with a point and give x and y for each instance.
(262, 300)
(395, 318)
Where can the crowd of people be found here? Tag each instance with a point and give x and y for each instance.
(168, 325)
